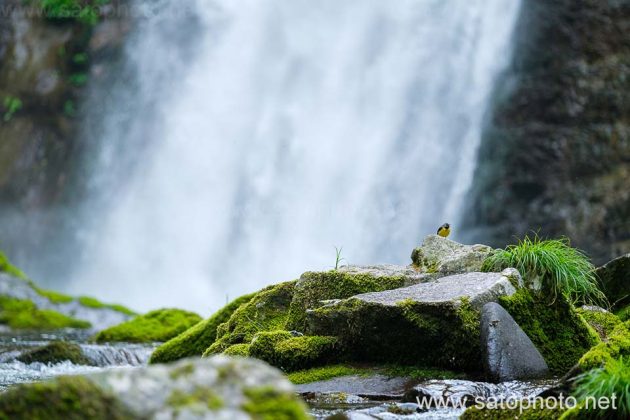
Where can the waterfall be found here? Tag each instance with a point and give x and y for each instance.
(250, 137)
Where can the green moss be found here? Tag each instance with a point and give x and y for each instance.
(182, 371)
(314, 287)
(410, 333)
(201, 397)
(266, 311)
(263, 345)
(617, 344)
(84, 11)
(419, 373)
(559, 333)
(195, 340)
(323, 373)
(7, 267)
(268, 403)
(159, 325)
(23, 314)
(56, 352)
(304, 352)
(91, 302)
(237, 350)
(66, 398)
(602, 322)
(624, 313)
(475, 413)
(603, 383)
(52, 296)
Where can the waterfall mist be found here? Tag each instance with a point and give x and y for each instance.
(257, 135)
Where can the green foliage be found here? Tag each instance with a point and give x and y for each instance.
(338, 258)
(56, 352)
(159, 325)
(559, 333)
(561, 269)
(10, 269)
(65, 398)
(69, 108)
(80, 58)
(85, 11)
(23, 314)
(612, 379)
(268, 403)
(624, 313)
(323, 373)
(317, 286)
(602, 322)
(90, 302)
(12, 105)
(195, 340)
(52, 296)
(616, 345)
(78, 79)
(266, 311)
(238, 350)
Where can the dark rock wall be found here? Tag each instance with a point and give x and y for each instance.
(555, 156)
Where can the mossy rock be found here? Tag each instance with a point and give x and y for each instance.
(266, 311)
(10, 269)
(624, 313)
(314, 287)
(475, 413)
(66, 398)
(602, 321)
(56, 352)
(24, 315)
(408, 333)
(90, 302)
(241, 350)
(159, 325)
(268, 403)
(561, 335)
(195, 340)
(616, 345)
(289, 353)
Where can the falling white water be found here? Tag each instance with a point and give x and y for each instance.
(291, 127)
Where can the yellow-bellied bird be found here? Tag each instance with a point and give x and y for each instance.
(444, 230)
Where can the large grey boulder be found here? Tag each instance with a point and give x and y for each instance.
(476, 288)
(614, 277)
(508, 353)
(443, 256)
(434, 323)
(99, 318)
(212, 388)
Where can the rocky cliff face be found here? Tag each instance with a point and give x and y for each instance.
(556, 152)
(46, 62)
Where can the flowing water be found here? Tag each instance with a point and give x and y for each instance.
(101, 356)
(246, 139)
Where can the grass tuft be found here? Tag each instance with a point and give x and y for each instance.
(612, 379)
(561, 269)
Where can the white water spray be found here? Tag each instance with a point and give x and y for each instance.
(296, 127)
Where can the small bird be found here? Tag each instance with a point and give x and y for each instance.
(444, 230)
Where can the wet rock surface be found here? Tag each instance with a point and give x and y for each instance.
(508, 353)
(374, 387)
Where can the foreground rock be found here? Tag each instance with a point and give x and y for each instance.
(508, 354)
(431, 324)
(614, 277)
(216, 388)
